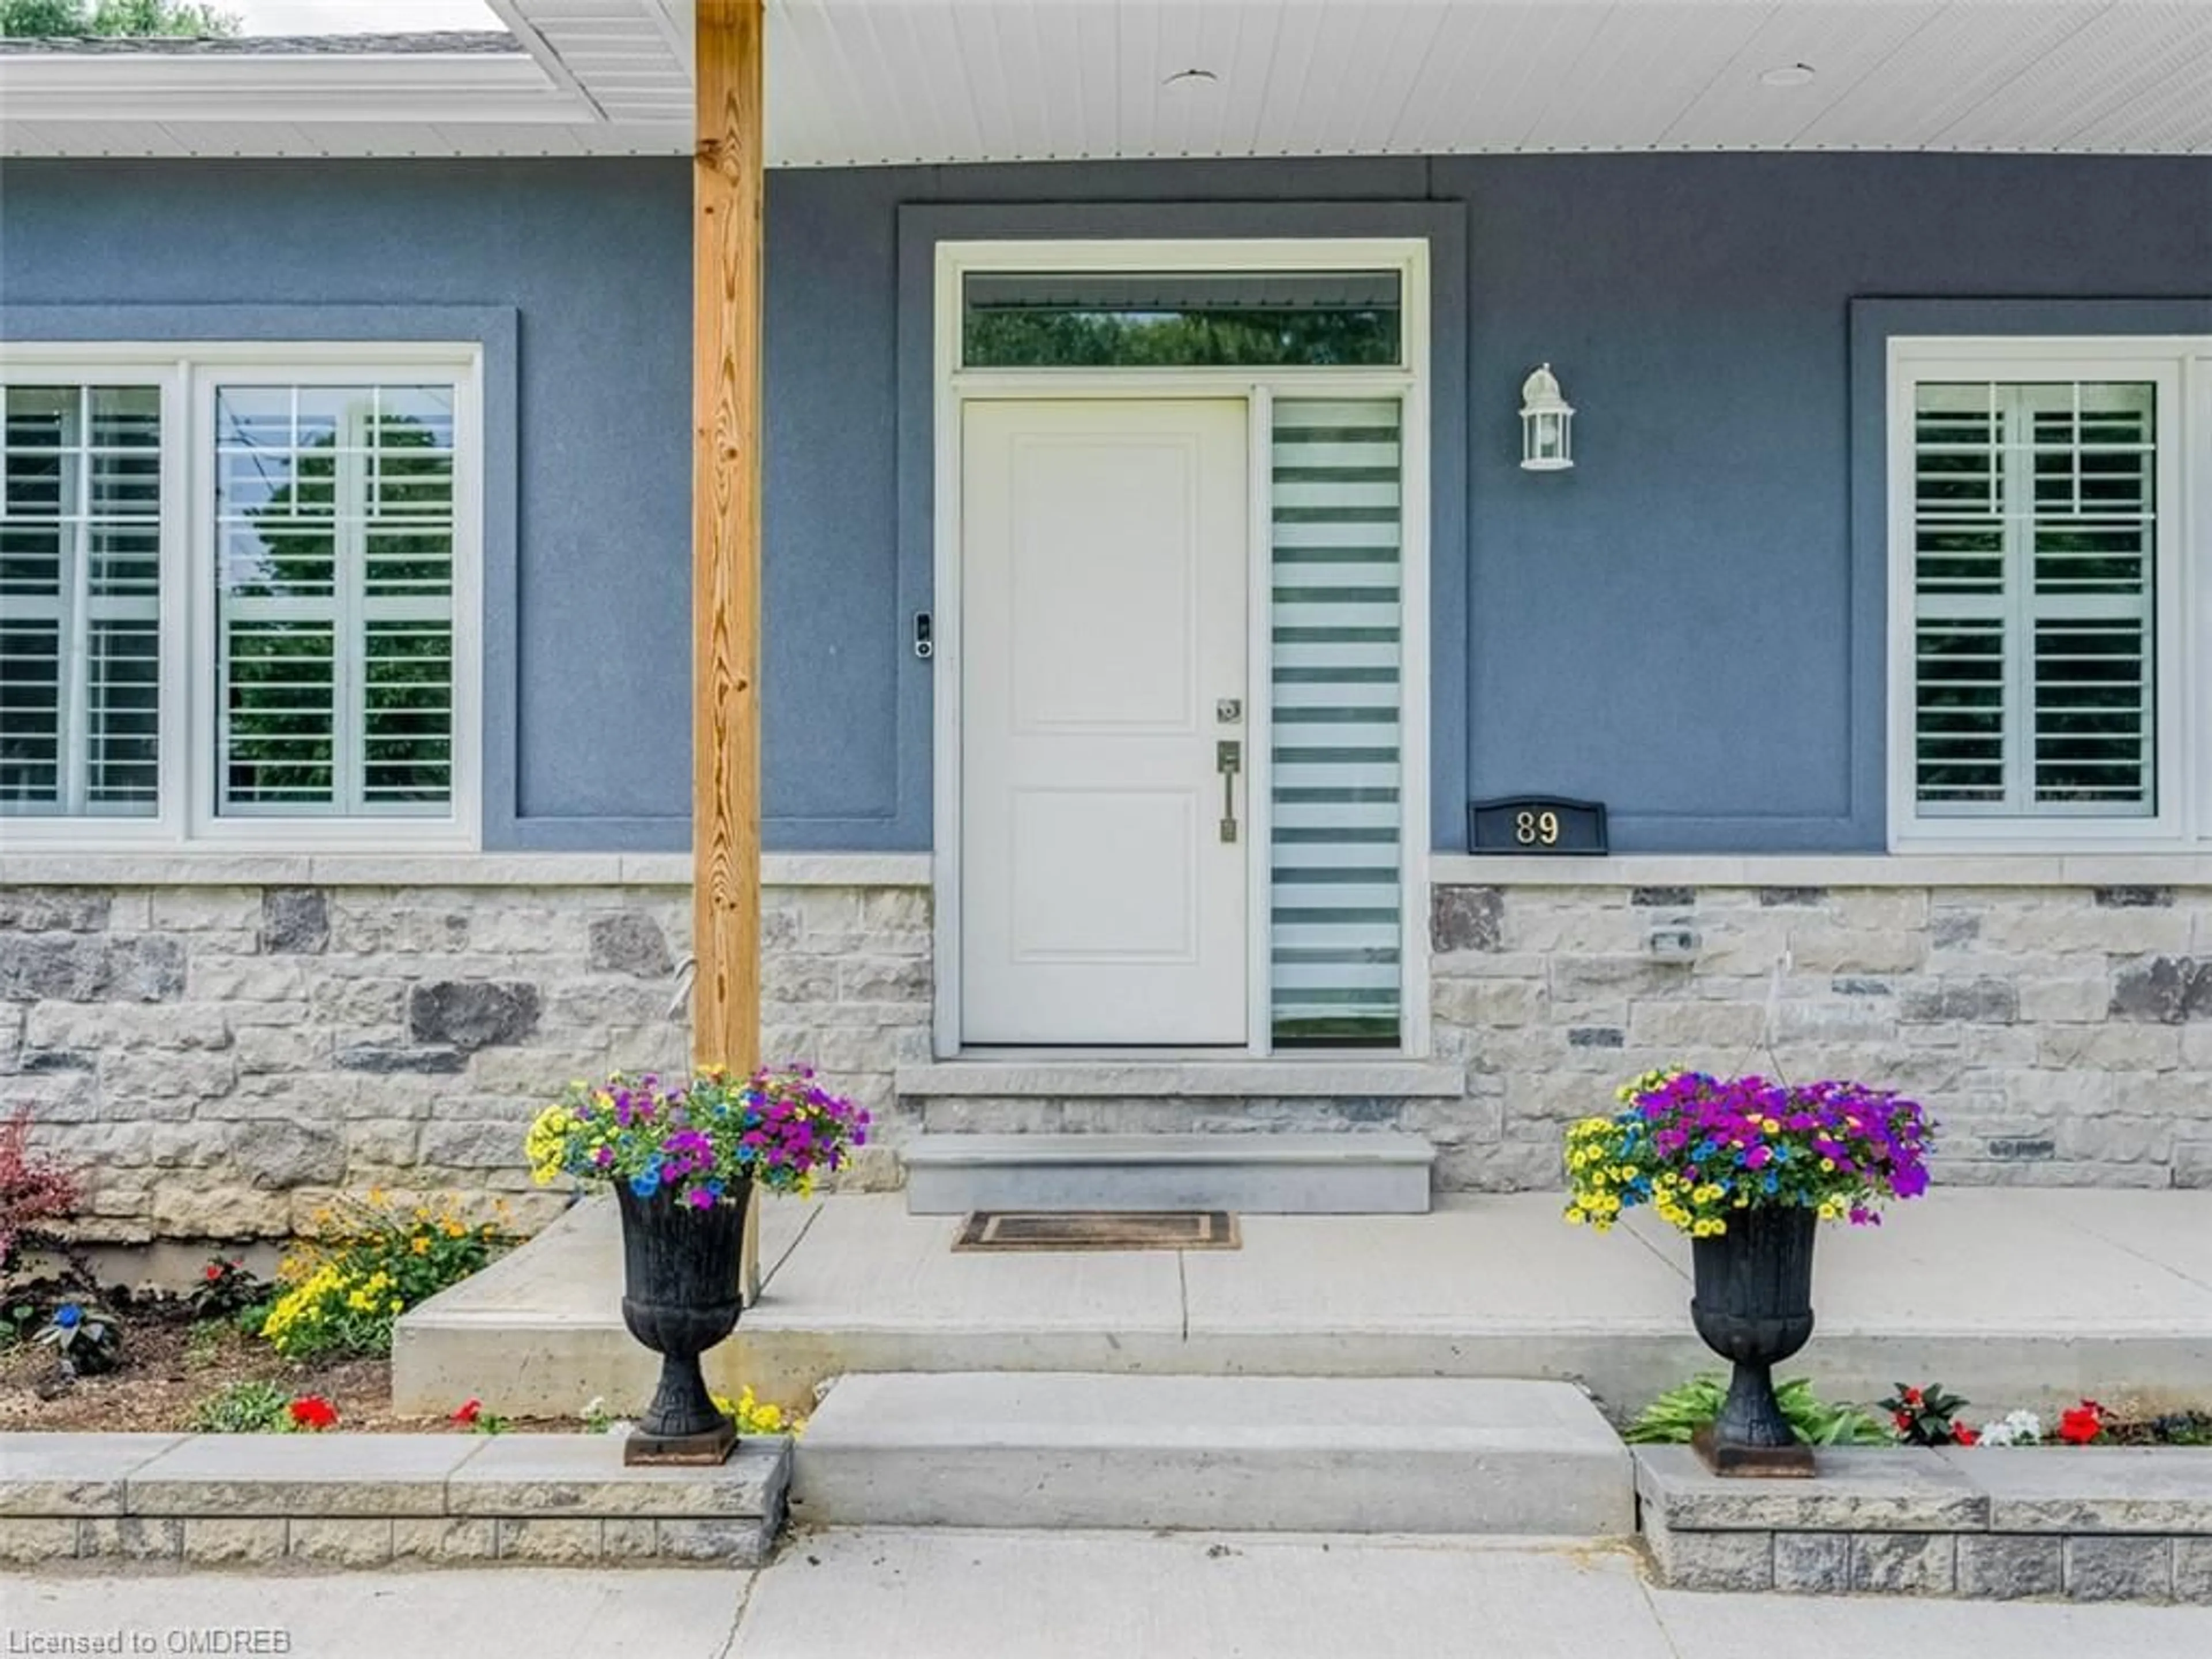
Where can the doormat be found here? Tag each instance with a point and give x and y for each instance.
(1096, 1230)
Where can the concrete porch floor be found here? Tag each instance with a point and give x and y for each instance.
(2010, 1296)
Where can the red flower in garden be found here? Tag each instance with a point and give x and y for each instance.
(470, 1411)
(2079, 1425)
(1902, 1420)
(214, 1270)
(1964, 1434)
(312, 1411)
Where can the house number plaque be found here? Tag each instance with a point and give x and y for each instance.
(1536, 823)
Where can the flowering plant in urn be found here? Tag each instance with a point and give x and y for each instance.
(1700, 1149)
(1747, 1167)
(699, 1140)
(683, 1157)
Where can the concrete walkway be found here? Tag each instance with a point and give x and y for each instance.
(945, 1594)
(2014, 1296)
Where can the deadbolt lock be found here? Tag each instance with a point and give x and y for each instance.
(1229, 710)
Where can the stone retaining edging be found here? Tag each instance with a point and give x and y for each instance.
(2081, 1523)
(373, 1500)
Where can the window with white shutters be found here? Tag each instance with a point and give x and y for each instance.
(79, 600)
(237, 589)
(334, 519)
(2050, 592)
(2035, 582)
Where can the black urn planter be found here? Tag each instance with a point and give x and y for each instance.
(1754, 1306)
(680, 1267)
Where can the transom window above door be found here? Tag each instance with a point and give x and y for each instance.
(237, 597)
(1182, 320)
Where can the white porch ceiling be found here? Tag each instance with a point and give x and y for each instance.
(900, 81)
(953, 81)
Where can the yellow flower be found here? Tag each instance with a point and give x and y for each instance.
(422, 1244)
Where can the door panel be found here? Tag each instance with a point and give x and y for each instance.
(1103, 558)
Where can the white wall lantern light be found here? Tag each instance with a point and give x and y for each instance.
(1547, 424)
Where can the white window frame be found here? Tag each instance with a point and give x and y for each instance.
(1407, 381)
(2180, 368)
(133, 828)
(188, 375)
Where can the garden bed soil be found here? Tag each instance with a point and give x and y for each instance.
(171, 1363)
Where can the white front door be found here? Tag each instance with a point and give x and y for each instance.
(1103, 550)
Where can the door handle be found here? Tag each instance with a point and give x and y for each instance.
(1229, 760)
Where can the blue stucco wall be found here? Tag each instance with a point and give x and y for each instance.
(1688, 626)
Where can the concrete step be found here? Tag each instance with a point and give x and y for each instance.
(1255, 1173)
(1276, 1454)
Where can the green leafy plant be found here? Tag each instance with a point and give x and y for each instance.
(18, 1318)
(1928, 1416)
(2169, 1429)
(204, 1346)
(85, 1337)
(226, 1289)
(1680, 1413)
(251, 1407)
(371, 1262)
(472, 1415)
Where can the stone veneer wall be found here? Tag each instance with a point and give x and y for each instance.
(225, 1059)
(2061, 1036)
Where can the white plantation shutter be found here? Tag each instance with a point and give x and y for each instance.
(2034, 569)
(79, 600)
(1336, 619)
(335, 537)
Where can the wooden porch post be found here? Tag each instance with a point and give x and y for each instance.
(725, 552)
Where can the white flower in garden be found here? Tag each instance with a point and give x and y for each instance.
(2014, 1429)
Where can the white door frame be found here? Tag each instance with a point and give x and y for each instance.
(956, 387)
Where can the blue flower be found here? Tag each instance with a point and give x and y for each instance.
(645, 1183)
(68, 1315)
